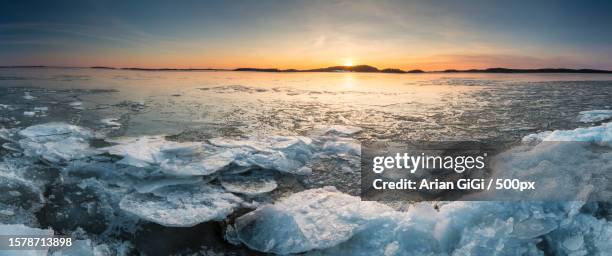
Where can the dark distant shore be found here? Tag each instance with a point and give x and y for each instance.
(370, 69)
(357, 68)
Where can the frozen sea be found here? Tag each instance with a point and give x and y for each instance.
(242, 163)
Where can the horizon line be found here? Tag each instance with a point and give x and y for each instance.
(340, 68)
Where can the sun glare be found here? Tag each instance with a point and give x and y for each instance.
(348, 63)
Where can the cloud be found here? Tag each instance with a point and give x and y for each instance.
(319, 41)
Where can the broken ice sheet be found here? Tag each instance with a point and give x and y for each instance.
(312, 219)
(173, 158)
(149, 185)
(339, 146)
(339, 129)
(139, 152)
(281, 153)
(328, 222)
(181, 205)
(286, 154)
(56, 142)
(194, 159)
(600, 135)
(593, 116)
(253, 183)
(77, 105)
(28, 96)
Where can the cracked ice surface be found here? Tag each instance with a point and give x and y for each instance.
(181, 205)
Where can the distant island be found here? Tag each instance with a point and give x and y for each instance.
(371, 69)
(356, 68)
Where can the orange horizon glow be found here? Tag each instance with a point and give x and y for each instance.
(431, 63)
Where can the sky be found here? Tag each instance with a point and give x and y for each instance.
(428, 35)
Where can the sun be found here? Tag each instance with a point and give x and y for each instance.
(348, 63)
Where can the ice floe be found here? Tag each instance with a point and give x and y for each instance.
(139, 152)
(76, 105)
(111, 122)
(56, 142)
(342, 146)
(593, 116)
(281, 153)
(27, 96)
(285, 154)
(181, 205)
(600, 135)
(174, 158)
(340, 129)
(313, 219)
(251, 184)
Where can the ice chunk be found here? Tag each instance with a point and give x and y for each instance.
(287, 154)
(173, 158)
(582, 235)
(281, 153)
(342, 146)
(251, 184)
(56, 129)
(343, 129)
(112, 122)
(327, 222)
(27, 96)
(601, 135)
(230, 235)
(139, 152)
(312, 219)
(76, 105)
(147, 186)
(19, 230)
(36, 111)
(193, 159)
(181, 205)
(593, 116)
(56, 142)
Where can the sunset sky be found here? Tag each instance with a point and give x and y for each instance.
(428, 35)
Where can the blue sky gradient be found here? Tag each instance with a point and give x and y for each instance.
(429, 35)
